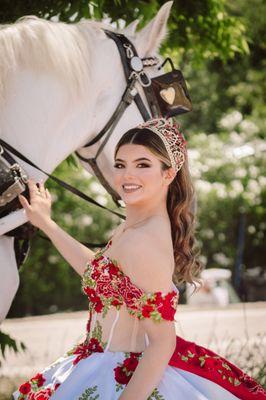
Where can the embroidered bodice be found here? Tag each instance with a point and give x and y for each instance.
(116, 306)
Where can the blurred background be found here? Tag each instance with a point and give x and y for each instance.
(220, 47)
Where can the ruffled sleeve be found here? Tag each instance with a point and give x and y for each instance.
(157, 306)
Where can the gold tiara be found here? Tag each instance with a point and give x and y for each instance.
(173, 139)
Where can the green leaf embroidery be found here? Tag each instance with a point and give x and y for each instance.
(155, 395)
(87, 395)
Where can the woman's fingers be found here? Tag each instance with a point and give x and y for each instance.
(42, 189)
(32, 188)
(48, 195)
(24, 202)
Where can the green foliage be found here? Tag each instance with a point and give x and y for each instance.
(7, 342)
(229, 183)
(199, 30)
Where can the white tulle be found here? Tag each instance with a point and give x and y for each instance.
(96, 373)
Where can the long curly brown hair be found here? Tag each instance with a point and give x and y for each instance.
(180, 206)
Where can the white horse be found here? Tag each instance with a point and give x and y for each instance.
(59, 85)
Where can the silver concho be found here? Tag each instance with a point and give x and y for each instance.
(136, 64)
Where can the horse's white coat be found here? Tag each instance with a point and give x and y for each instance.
(51, 106)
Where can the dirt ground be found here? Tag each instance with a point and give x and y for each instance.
(48, 337)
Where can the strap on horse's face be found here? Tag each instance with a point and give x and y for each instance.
(166, 95)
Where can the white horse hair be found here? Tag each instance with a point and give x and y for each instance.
(59, 85)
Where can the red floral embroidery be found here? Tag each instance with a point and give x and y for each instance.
(25, 388)
(43, 394)
(106, 280)
(250, 383)
(34, 389)
(129, 292)
(85, 349)
(158, 306)
(39, 379)
(94, 298)
(124, 372)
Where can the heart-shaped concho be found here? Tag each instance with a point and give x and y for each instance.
(168, 95)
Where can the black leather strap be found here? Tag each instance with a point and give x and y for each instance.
(120, 40)
(59, 181)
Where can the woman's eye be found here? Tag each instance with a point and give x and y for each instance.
(145, 165)
(118, 165)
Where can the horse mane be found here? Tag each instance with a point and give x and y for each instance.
(56, 47)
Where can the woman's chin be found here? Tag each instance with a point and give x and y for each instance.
(131, 198)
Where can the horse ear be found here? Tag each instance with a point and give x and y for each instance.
(130, 30)
(149, 39)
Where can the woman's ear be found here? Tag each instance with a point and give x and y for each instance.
(169, 175)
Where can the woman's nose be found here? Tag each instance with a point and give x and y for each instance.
(128, 172)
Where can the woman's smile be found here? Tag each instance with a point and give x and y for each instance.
(130, 187)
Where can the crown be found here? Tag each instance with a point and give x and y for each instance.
(173, 139)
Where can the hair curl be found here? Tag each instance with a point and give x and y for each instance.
(180, 206)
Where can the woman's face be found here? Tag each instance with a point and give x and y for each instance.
(138, 175)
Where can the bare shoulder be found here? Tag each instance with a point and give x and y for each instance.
(148, 256)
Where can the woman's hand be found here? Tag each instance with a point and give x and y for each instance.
(39, 209)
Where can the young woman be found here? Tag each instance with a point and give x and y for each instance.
(131, 351)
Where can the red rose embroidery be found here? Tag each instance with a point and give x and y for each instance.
(39, 379)
(167, 304)
(135, 354)
(105, 286)
(146, 310)
(94, 298)
(83, 351)
(124, 372)
(98, 305)
(43, 394)
(94, 345)
(116, 302)
(167, 312)
(90, 292)
(113, 269)
(129, 292)
(131, 363)
(25, 388)
(120, 376)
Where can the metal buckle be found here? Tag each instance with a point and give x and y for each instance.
(12, 192)
(139, 76)
(129, 50)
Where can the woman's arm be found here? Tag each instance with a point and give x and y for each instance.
(38, 211)
(75, 253)
(150, 369)
(149, 269)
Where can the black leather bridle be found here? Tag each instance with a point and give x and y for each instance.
(133, 67)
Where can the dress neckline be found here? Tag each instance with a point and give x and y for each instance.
(118, 266)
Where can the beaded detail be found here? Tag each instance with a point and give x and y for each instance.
(173, 139)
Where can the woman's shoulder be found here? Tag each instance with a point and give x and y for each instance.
(155, 234)
(148, 258)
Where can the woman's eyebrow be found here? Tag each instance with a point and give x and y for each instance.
(137, 159)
